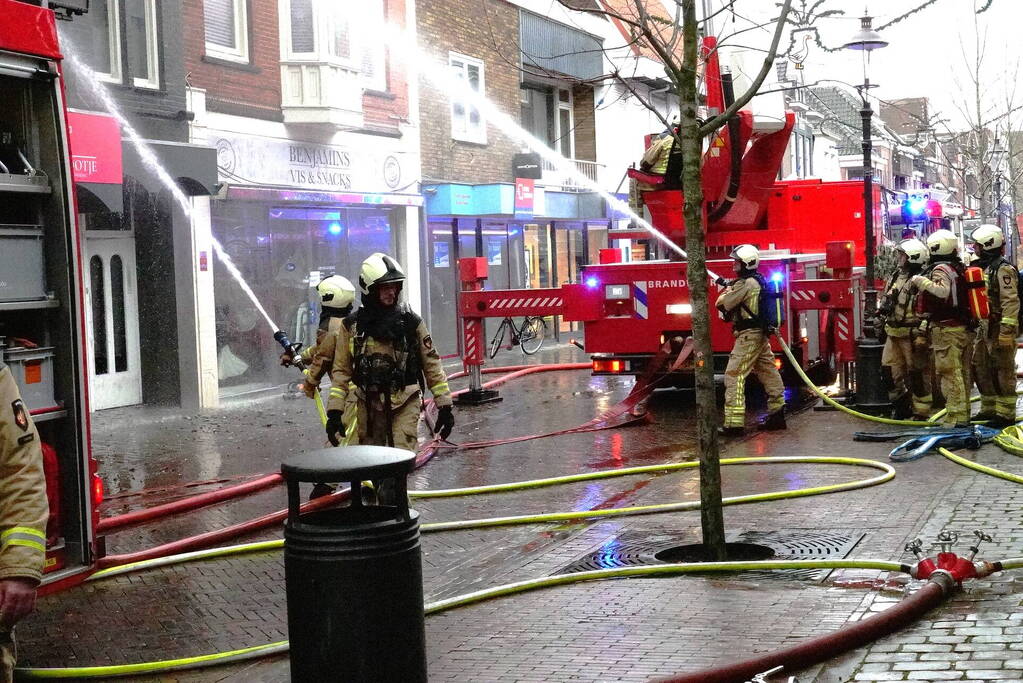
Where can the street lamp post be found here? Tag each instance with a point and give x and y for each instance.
(871, 393)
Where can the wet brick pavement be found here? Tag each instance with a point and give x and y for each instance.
(628, 630)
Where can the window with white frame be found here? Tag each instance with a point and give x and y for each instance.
(565, 124)
(227, 29)
(104, 45)
(374, 50)
(143, 47)
(302, 33)
(467, 122)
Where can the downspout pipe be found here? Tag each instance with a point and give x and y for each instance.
(820, 649)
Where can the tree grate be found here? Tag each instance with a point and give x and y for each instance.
(639, 548)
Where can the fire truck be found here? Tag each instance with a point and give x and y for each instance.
(810, 233)
(42, 301)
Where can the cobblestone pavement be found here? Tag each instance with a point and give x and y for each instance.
(629, 630)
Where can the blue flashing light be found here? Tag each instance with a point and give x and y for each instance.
(777, 277)
(334, 228)
(592, 282)
(917, 206)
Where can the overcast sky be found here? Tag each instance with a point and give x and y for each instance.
(925, 54)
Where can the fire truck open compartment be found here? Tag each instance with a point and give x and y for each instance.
(41, 334)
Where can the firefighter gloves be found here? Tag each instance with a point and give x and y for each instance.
(445, 421)
(335, 426)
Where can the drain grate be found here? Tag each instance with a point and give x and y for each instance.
(640, 547)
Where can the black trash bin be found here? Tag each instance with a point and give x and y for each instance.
(354, 574)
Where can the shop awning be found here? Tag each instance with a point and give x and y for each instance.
(193, 167)
(96, 197)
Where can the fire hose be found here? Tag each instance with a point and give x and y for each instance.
(887, 473)
(800, 655)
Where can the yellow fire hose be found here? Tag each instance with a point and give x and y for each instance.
(1009, 439)
(886, 474)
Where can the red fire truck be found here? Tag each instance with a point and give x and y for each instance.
(42, 332)
(810, 233)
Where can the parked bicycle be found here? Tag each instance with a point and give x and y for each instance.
(529, 335)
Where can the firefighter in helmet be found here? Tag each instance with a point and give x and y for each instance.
(944, 305)
(994, 351)
(905, 358)
(337, 296)
(740, 305)
(385, 355)
(23, 516)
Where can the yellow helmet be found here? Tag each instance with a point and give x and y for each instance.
(336, 292)
(942, 243)
(747, 255)
(377, 269)
(915, 250)
(988, 237)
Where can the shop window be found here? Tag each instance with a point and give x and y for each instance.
(143, 45)
(467, 122)
(103, 53)
(227, 29)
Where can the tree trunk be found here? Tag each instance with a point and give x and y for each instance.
(711, 517)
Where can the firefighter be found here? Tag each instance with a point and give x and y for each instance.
(385, 352)
(944, 305)
(740, 305)
(905, 356)
(337, 296)
(23, 516)
(994, 351)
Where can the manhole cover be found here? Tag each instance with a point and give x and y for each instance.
(642, 548)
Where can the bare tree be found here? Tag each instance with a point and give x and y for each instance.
(675, 42)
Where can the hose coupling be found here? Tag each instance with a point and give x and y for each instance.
(982, 568)
(944, 579)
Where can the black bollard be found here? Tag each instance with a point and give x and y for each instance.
(354, 574)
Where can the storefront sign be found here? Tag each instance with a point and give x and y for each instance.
(95, 144)
(368, 165)
(524, 192)
(527, 166)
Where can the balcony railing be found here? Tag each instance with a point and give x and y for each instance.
(321, 92)
(554, 176)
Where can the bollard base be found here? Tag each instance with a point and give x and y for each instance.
(478, 397)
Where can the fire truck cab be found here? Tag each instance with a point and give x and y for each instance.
(42, 301)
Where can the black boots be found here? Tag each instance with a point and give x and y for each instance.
(902, 407)
(774, 422)
(731, 431)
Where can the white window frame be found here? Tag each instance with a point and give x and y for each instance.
(240, 53)
(570, 108)
(152, 50)
(116, 74)
(479, 136)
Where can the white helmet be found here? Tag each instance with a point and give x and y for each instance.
(747, 255)
(915, 251)
(377, 269)
(970, 256)
(988, 237)
(336, 292)
(942, 243)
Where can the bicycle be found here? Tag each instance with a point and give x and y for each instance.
(529, 336)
